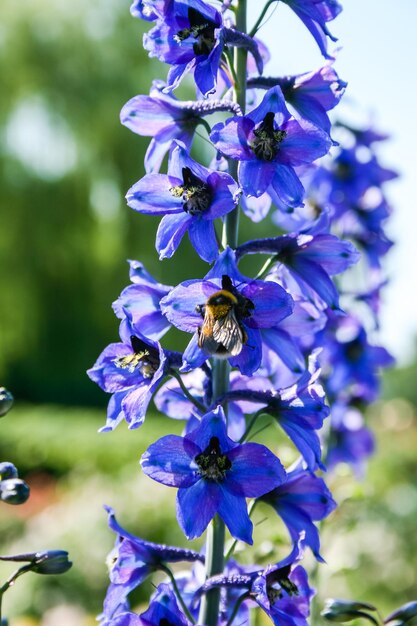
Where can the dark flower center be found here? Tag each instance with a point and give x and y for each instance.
(145, 358)
(200, 29)
(212, 464)
(281, 577)
(195, 193)
(267, 139)
(354, 350)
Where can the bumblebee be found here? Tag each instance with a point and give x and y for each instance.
(222, 333)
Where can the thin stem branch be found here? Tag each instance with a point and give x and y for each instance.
(251, 424)
(201, 407)
(260, 18)
(177, 592)
(11, 580)
(231, 221)
(236, 608)
(265, 267)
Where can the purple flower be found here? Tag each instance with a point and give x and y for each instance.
(190, 197)
(166, 119)
(299, 410)
(171, 400)
(226, 312)
(350, 441)
(133, 560)
(132, 371)
(282, 591)
(140, 303)
(349, 361)
(342, 184)
(188, 37)
(301, 500)
(122, 618)
(315, 14)
(148, 10)
(269, 144)
(213, 475)
(309, 95)
(164, 610)
(308, 259)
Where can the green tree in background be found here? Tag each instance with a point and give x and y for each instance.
(66, 164)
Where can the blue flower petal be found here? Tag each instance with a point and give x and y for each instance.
(196, 507)
(151, 195)
(255, 470)
(233, 511)
(203, 238)
(255, 176)
(170, 232)
(170, 461)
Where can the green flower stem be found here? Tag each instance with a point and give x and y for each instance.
(177, 592)
(251, 424)
(209, 610)
(231, 221)
(201, 407)
(239, 601)
(260, 18)
(10, 582)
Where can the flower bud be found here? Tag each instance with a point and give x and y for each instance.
(406, 614)
(51, 562)
(14, 491)
(7, 470)
(6, 401)
(346, 611)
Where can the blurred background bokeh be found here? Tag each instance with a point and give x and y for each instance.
(66, 163)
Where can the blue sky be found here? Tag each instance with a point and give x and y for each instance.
(378, 58)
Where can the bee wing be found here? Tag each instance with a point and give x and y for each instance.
(228, 332)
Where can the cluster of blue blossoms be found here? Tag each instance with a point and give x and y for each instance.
(288, 342)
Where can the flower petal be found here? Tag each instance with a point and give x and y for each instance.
(233, 511)
(170, 461)
(203, 238)
(170, 232)
(255, 470)
(196, 507)
(255, 176)
(272, 303)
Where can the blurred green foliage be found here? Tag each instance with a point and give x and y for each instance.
(66, 162)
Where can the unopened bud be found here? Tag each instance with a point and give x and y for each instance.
(14, 491)
(51, 562)
(346, 611)
(8, 470)
(406, 614)
(6, 401)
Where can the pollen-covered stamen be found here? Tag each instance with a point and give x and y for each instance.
(267, 139)
(212, 464)
(195, 193)
(145, 358)
(200, 29)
